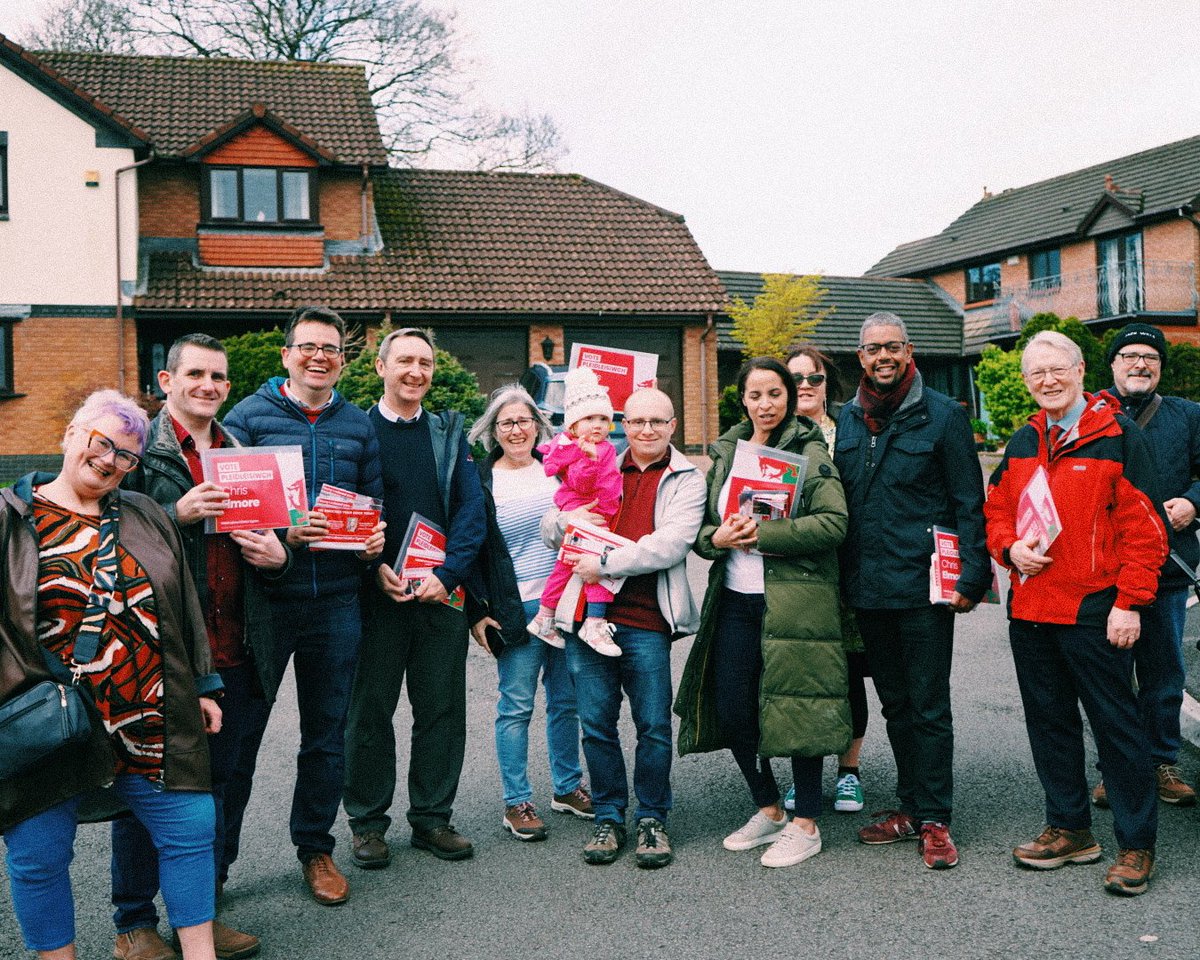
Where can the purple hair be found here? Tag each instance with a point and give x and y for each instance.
(103, 403)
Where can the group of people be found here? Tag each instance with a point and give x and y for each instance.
(181, 638)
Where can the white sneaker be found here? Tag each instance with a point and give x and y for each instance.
(759, 829)
(543, 628)
(792, 847)
(597, 633)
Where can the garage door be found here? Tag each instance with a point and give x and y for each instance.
(665, 341)
(496, 355)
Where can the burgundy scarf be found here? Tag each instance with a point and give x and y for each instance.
(878, 407)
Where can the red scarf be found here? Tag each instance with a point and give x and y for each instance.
(878, 406)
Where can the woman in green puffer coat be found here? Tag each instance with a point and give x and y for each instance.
(766, 676)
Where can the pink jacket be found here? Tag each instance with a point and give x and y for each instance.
(583, 479)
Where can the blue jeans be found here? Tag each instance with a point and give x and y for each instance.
(1158, 663)
(134, 859)
(643, 671)
(40, 849)
(1060, 666)
(519, 668)
(321, 636)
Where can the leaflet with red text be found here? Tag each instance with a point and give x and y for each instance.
(621, 371)
(945, 568)
(421, 552)
(265, 486)
(584, 539)
(1037, 514)
(352, 518)
(763, 482)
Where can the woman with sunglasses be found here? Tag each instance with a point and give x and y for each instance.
(818, 390)
(766, 676)
(96, 591)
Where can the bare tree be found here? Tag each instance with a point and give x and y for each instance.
(95, 26)
(412, 53)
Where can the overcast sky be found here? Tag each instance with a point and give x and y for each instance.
(815, 135)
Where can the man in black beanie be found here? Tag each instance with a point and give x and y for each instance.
(1171, 425)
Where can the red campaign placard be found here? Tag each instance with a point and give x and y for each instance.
(423, 550)
(348, 529)
(265, 486)
(945, 567)
(620, 371)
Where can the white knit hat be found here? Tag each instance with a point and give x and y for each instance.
(584, 396)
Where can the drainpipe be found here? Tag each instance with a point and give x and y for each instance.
(366, 239)
(120, 295)
(708, 328)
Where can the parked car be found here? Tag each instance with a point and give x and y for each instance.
(545, 383)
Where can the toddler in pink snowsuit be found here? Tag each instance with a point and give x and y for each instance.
(586, 463)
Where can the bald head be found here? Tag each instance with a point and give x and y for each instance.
(649, 423)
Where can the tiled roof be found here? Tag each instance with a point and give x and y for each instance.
(470, 241)
(1057, 209)
(934, 323)
(179, 100)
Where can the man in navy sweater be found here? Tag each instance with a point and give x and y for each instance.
(318, 597)
(427, 470)
(1171, 426)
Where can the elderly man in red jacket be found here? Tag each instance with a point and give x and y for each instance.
(1074, 608)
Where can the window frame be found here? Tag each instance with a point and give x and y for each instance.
(206, 198)
(973, 287)
(1046, 280)
(8, 380)
(4, 198)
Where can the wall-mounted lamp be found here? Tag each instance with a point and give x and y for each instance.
(91, 178)
(547, 349)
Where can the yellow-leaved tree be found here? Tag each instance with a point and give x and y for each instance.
(784, 314)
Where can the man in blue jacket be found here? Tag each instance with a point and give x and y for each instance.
(411, 630)
(318, 597)
(907, 459)
(1171, 425)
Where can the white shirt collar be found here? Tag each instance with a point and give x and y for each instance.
(389, 414)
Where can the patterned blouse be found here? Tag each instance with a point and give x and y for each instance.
(126, 676)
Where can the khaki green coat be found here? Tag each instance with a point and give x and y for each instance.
(803, 709)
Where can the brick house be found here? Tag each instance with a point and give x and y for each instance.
(260, 186)
(1115, 242)
(934, 321)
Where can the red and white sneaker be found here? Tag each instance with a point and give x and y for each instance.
(936, 848)
(544, 629)
(893, 825)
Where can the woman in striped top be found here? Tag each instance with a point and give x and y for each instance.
(514, 564)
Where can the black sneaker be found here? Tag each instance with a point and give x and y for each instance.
(607, 840)
(653, 846)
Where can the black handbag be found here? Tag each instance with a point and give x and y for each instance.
(34, 724)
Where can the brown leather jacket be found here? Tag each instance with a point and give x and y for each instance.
(148, 533)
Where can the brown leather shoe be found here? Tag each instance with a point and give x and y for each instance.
(370, 850)
(1057, 847)
(578, 803)
(1131, 873)
(144, 943)
(443, 842)
(325, 880)
(1171, 786)
(233, 944)
(523, 822)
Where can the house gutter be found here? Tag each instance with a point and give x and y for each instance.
(120, 296)
(708, 328)
(366, 180)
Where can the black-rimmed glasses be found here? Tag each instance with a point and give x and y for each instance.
(101, 446)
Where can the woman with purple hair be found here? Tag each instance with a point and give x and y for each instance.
(95, 592)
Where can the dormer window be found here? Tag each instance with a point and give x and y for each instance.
(260, 195)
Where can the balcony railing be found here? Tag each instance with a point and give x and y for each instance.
(1154, 286)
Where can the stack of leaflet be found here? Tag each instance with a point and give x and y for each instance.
(352, 517)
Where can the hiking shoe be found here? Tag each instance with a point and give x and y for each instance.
(142, 943)
(578, 803)
(756, 831)
(893, 825)
(370, 851)
(848, 795)
(1171, 786)
(597, 633)
(789, 802)
(1131, 873)
(607, 840)
(1100, 796)
(792, 846)
(523, 822)
(653, 844)
(1057, 847)
(935, 846)
(543, 628)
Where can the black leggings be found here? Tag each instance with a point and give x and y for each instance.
(856, 673)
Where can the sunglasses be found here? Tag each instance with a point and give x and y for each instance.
(813, 379)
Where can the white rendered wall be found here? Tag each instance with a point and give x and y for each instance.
(58, 245)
